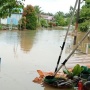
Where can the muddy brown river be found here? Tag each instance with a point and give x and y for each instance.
(24, 52)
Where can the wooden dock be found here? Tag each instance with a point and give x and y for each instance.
(81, 59)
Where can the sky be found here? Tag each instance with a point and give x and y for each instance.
(52, 6)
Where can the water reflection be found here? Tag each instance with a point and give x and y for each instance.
(43, 47)
(9, 37)
(69, 45)
(49, 37)
(53, 88)
(84, 47)
(26, 40)
(0, 64)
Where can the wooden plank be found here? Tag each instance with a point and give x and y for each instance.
(82, 60)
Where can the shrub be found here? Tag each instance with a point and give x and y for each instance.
(22, 23)
(0, 27)
(31, 19)
(43, 23)
(84, 26)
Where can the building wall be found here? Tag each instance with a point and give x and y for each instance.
(47, 17)
(14, 19)
(4, 21)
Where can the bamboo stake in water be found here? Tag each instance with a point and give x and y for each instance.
(72, 52)
(66, 36)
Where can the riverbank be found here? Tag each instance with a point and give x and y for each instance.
(15, 27)
(57, 28)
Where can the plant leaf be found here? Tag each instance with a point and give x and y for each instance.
(76, 70)
(66, 71)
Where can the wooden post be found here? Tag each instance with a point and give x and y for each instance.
(0, 64)
(87, 48)
(76, 25)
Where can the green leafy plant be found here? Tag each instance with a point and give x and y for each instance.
(43, 23)
(84, 26)
(7, 7)
(0, 27)
(86, 72)
(75, 72)
(31, 19)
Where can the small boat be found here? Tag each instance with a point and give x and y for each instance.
(61, 83)
(72, 78)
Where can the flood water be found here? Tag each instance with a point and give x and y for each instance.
(24, 52)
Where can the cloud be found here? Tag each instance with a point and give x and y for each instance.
(52, 6)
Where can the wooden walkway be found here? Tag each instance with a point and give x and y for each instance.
(81, 59)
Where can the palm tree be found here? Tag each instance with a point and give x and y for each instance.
(60, 13)
(38, 12)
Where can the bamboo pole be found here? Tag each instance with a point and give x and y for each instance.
(76, 25)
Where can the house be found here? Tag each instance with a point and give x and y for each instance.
(47, 17)
(4, 21)
(13, 19)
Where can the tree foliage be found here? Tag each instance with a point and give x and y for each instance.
(85, 16)
(43, 22)
(37, 10)
(7, 7)
(38, 13)
(31, 19)
(59, 18)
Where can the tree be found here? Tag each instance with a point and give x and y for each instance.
(31, 19)
(68, 15)
(60, 14)
(7, 7)
(59, 18)
(22, 23)
(38, 13)
(84, 20)
(71, 10)
(43, 22)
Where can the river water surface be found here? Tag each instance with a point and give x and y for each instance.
(24, 52)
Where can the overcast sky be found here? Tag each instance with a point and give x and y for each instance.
(52, 6)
